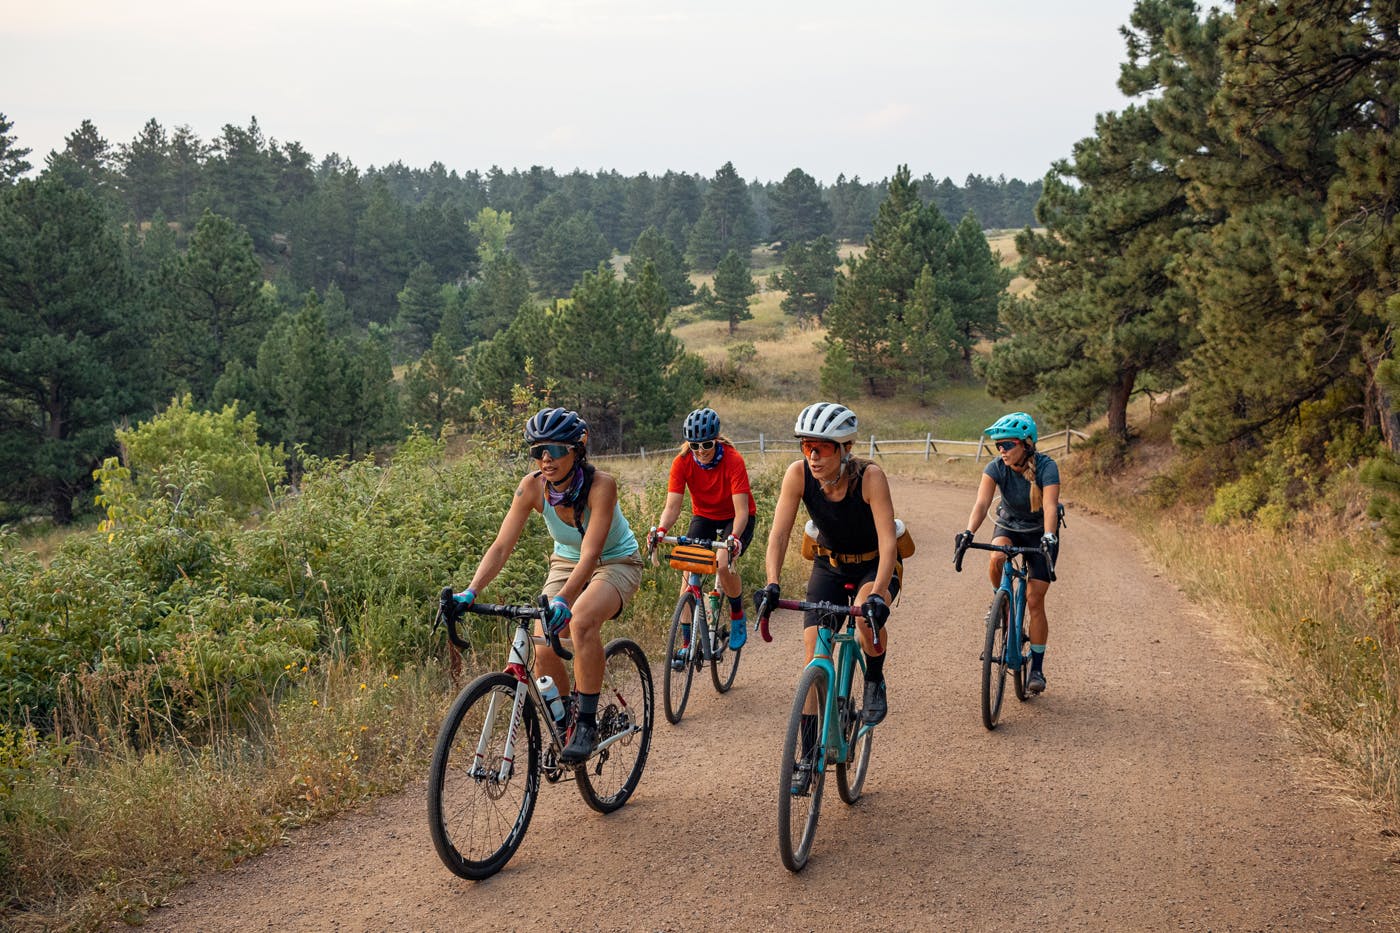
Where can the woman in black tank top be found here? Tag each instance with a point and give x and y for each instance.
(849, 501)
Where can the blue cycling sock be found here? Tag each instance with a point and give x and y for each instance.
(1037, 656)
(588, 708)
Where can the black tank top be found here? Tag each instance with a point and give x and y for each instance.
(846, 527)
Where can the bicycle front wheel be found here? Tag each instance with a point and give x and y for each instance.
(850, 774)
(479, 798)
(679, 671)
(801, 776)
(994, 659)
(625, 709)
(725, 662)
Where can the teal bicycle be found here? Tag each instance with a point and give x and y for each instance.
(825, 728)
(1005, 644)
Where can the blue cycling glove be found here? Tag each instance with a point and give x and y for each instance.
(559, 615)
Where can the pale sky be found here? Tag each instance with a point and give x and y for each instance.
(950, 87)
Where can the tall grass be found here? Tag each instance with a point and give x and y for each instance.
(94, 832)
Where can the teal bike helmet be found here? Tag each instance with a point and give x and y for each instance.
(1016, 426)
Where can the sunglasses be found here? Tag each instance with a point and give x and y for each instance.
(555, 451)
(1007, 445)
(702, 445)
(825, 448)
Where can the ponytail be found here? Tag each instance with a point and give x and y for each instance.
(1037, 492)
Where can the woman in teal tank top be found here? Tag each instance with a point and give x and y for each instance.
(596, 565)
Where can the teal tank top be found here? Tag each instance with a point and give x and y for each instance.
(620, 541)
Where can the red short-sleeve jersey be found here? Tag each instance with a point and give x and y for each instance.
(712, 491)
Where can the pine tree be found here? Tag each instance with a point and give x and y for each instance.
(12, 161)
(925, 339)
(421, 306)
(809, 278)
(798, 213)
(651, 246)
(73, 339)
(972, 285)
(628, 377)
(437, 389)
(213, 308)
(734, 286)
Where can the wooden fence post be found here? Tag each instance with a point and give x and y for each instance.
(928, 446)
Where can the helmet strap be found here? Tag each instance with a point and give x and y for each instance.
(840, 472)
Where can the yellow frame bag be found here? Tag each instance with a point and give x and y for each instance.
(693, 559)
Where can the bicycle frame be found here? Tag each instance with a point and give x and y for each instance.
(837, 631)
(519, 664)
(707, 605)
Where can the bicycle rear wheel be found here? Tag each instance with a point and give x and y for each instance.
(994, 659)
(798, 813)
(725, 663)
(478, 817)
(677, 681)
(850, 774)
(625, 707)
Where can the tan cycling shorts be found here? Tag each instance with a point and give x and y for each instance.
(623, 574)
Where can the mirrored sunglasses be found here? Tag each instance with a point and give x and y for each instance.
(702, 445)
(555, 451)
(825, 448)
(1007, 445)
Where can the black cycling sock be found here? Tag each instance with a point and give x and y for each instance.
(736, 605)
(1037, 657)
(874, 668)
(588, 708)
(809, 733)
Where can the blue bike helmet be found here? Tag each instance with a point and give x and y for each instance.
(1016, 426)
(555, 424)
(702, 424)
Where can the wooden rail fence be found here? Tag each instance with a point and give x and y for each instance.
(927, 447)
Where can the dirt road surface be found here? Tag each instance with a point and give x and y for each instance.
(1151, 787)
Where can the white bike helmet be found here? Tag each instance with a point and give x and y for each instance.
(827, 421)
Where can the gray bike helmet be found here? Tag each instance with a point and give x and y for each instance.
(828, 421)
(555, 424)
(702, 424)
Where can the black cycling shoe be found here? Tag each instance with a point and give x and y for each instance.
(1035, 683)
(580, 744)
(801, 778)
(876, 706)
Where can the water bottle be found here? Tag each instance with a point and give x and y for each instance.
(551, 698)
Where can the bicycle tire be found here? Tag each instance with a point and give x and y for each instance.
(799, 813)
(725, 662)
(850, 774)
(476, 820)
(994, 659)
(677, 682)
(608, 778)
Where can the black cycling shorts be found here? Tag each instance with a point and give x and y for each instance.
(1035, 563)
(829, 584)
(716, 530)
